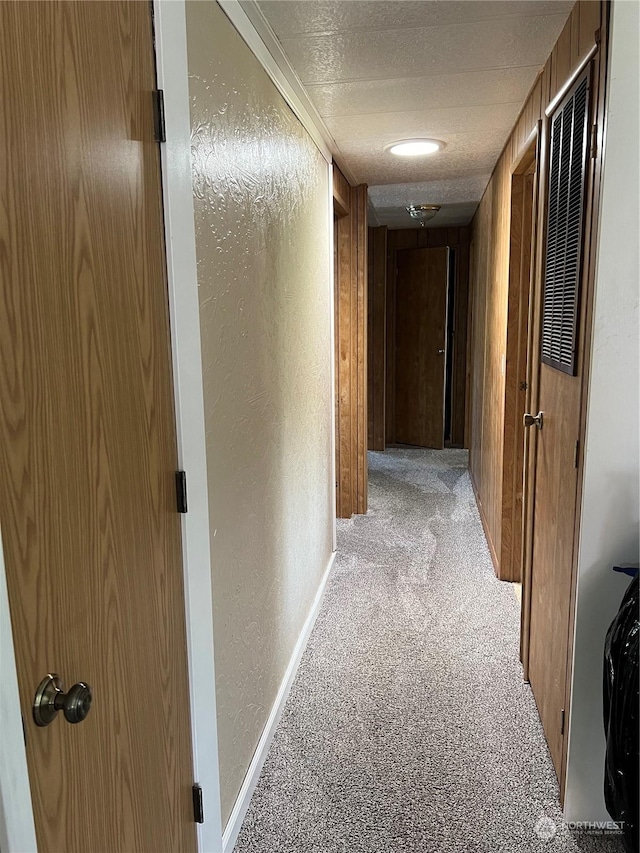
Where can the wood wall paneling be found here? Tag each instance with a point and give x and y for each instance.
(490, 232)
(350, 237)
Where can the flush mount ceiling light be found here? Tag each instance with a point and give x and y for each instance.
(423, 212)
(414, 147)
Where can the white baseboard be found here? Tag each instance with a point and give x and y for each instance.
(253, 773)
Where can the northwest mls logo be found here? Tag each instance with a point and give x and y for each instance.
(545, 828)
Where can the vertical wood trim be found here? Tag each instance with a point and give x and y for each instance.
(360, 193)
(511, 388)
(390, 360)
(345, 478)
(336, 369)
(533, 382)
(350, 208)
(371, 338)
(376, 344)
(461, 309)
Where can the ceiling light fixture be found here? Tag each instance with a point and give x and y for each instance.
(414, 147)
(423, 212)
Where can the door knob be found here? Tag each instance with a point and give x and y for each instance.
(533, 420)
(440, 352)
(50, 698)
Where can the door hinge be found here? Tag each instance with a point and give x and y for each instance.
(594, 141)
(576, 460)
(198, 808)
(159, 126)
(181, 491)
(562, 721)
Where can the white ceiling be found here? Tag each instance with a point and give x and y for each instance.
(382, 70)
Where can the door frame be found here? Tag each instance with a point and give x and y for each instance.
(184, 313)
(521, 285)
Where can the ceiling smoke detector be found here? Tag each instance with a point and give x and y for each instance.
(423, 212)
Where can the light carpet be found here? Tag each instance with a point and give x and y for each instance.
(408, 727)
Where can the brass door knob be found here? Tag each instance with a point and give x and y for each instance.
(533, 420)
(51, 698)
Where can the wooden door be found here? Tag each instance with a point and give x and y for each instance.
(421, 324)
(555, 511)
(87, 431)
(559, 360)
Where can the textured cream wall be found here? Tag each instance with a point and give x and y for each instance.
(262, 239)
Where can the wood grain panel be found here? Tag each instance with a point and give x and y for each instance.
(590, 21)
(350, 272)
(87, 429)
(490, 233)
(421, 311)
(555, 505)
(377, 350)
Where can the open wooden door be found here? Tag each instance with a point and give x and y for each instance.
(87, 432)
(421, 335)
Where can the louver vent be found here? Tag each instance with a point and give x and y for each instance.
(567, 177)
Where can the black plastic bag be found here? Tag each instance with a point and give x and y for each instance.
(621, 717)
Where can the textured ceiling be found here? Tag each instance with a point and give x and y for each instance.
(382, 70)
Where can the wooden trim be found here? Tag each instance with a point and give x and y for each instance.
(526, 161)
(551, 108)
(376, 336)
(531, 435)
(350, 283)
(485, 526)
(359, 202)
(341, 194)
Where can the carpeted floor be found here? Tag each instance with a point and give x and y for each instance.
(408, 727)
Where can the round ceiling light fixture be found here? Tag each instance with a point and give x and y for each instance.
(423, 212)
(414, 147)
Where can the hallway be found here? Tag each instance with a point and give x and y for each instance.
(409, 727)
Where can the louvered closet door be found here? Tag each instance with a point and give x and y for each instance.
(559, 400)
